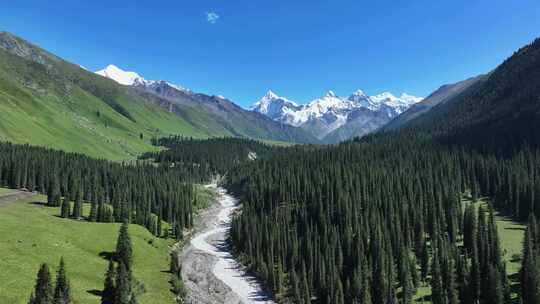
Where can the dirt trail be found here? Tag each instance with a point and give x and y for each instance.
(14, 196)
(210, 272)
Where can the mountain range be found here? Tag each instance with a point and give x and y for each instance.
(223, 117)
(332, 118)
(112, 113)
(48, 101)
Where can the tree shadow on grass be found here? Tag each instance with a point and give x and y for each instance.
(426, 298)
(95, 292)
(39, 204)
(107, 255)
(515, 228)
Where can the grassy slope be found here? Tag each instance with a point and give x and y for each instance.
(51, 111)
(48, 237)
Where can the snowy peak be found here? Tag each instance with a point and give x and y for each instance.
(270, 95)
(274, 106)
(133, 79)
(397, 104)
(122, 77)
(330, 94)
(410, 98)
(331, 111)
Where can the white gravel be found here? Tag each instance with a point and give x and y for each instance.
(226, 268)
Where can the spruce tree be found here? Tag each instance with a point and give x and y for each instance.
(77, 206)
(62, 292)
(65, 209)
(93, 212)
(122, 285)
(43, 293)
(124, 249)
(407, 286)
(109, 289)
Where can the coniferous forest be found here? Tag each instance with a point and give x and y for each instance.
(200, 160)
(137, 193)
(369, 221)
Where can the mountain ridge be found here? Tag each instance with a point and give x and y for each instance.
(325, 115)
(215, 113)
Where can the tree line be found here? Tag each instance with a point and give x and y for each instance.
(138, 193)
(201, 159)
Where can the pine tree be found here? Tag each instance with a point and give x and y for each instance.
(43, 293)
(62, 293)
(406, 283)
(77, 206)
(65, 209)
(32, 299)
(124, 249)
(437, 288)
(123, 285)
(109, 289)
(424, 265)
(93, 211)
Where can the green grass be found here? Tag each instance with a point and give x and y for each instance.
(204, 196)
(34, 234)
(5, 190)
(511, 238)
(52, 110)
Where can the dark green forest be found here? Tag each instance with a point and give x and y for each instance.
(200, 160)
(367, 221)
(118, 192)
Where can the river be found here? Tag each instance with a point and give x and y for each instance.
(209, 246)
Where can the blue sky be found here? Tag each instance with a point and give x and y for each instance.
(300, 49)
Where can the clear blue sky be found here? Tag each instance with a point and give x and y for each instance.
(299, 49)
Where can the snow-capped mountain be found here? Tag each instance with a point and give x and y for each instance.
(274, 106)
(133, 79)
(330, 112)
(122, 77)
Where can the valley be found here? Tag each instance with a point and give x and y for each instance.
(151, 177)
(211, 271)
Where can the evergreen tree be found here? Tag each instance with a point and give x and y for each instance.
(65, 209)
(124, 250)
(43, 293)
(407, 286)
(122, 285)
(62, 292)
(93, 212)
(77, 206)
(109, 290)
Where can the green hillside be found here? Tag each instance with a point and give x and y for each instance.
(80, 243)
(60, 105)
